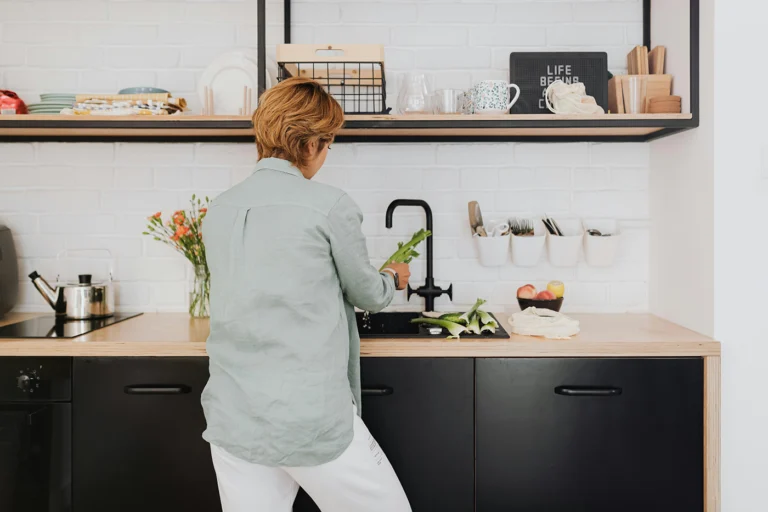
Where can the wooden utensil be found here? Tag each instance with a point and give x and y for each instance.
(475, 216)
(656, 60)
(644, 68)
(615, 96)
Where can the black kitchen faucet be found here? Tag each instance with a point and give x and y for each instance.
(429, 291)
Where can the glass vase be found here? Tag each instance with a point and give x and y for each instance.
(200, 292)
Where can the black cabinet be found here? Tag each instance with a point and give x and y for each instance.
(595, 435)
(420, 410)
(137, 424)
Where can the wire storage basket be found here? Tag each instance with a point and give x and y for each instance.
(353, 74)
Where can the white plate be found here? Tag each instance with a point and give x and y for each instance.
(226, 77)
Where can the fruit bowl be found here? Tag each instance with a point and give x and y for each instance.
(554, 304)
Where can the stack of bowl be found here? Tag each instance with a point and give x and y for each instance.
(52, 103)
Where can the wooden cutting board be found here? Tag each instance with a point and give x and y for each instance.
(656, 60)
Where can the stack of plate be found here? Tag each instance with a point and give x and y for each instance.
(52, 103)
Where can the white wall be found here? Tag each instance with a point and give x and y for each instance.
(97, 195)
(681, 192)
(741, 273)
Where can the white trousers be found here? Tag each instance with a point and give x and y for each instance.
(360, 480)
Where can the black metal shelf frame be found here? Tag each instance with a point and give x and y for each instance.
(368, 127)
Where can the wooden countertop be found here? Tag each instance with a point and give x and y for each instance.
(176, 334)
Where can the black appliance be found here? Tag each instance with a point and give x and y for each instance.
(9, 272)
(51, 327)
(35, 434)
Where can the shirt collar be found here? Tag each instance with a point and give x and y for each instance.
(278, 164)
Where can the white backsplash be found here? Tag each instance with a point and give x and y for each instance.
(57, 196)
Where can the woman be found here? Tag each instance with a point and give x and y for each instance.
(288, 263)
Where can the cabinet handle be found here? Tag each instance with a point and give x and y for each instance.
(588, 390)
(377, 391)
(157, 389)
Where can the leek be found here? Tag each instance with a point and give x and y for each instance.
(466, 316)
(453, 317)
(455, 329)
(487, 320)
(474, 325)
(406, 251)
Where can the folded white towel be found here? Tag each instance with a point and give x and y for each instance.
(543, 322)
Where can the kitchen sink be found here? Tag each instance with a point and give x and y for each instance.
(398, 325)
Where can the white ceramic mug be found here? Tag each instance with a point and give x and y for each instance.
(492, 97)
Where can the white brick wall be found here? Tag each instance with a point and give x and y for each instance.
(57, 196)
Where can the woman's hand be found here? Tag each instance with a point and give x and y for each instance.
(403, 273)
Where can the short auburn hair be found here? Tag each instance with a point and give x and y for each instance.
(291, 115)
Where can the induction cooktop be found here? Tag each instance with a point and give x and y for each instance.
(52, 327)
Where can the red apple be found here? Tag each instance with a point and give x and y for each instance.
(545, 295)
(526, 292)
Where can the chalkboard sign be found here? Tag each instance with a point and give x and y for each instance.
(534, 71)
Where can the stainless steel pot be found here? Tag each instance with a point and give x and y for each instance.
(78, 301)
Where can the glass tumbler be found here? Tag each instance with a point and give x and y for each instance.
(449, 101)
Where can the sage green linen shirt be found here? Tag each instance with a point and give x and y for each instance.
(288, 262)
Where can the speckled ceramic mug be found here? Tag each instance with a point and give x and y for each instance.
(492, 97)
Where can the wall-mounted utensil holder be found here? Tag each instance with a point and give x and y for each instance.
(493, 250)
(353, 74)
(564, 250)
(600, 250)
(527, 250)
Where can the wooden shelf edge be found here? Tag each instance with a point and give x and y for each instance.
(402, 128)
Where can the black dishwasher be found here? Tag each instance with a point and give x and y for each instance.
(35, 434)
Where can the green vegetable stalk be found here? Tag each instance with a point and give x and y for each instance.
(406, 251)
(468, 315)
(455, 329)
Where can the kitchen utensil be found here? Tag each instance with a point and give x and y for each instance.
(141, 90)
(77, 301)
(553, 305)
(81, 300)
(521, 227)
(415, 94)
(491, 97)
(474, 221)
(615, 96)
(225, 78)
(496, 228)
(448, 101)
(656, 60)
(634, 90)
(9, 273)
(481, 231)
(594, 232)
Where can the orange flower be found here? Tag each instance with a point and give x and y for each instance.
(157, 215)
(203, 210)
(181, 231)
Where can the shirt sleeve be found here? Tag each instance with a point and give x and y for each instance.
(363, 286)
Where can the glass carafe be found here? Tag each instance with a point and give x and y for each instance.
(415, 94)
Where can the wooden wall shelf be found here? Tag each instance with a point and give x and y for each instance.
(377, 128)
